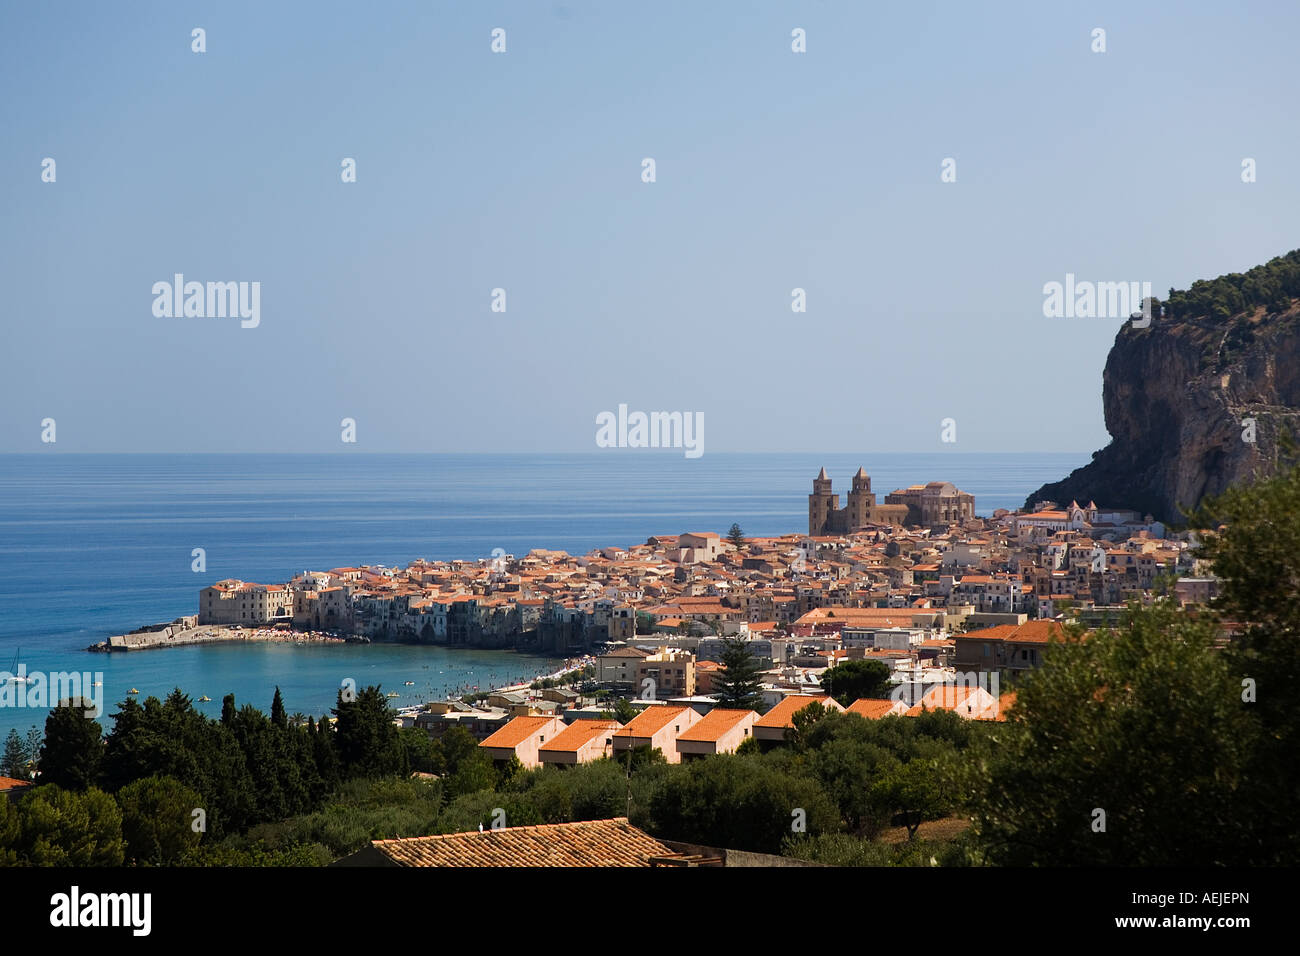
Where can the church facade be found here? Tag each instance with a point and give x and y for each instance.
(936, 503)
(826, 517)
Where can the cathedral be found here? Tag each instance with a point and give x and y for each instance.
(937, 503)
(826, 517)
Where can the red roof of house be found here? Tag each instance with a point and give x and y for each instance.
(516, 732)
(782, 715)
(714, 724)
(650, 721)
(871, 708)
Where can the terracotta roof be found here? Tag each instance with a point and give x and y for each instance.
(516, 732)
(782, 715)
(13, 783)
(577, 735)
(863, 616)
(586, 843)
(714, 724)
(871, 708)
(650, 721)
(968, 701)
(1031, 632)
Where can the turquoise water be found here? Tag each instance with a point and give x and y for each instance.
(94, 545)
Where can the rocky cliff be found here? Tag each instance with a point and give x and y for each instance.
(1176, 393)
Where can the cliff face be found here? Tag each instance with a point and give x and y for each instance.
(1175, 394)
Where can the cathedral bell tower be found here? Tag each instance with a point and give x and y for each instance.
(821, 504)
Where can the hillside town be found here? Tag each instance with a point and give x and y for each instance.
(920, 583)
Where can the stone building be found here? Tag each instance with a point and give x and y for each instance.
(826, 517)
(936, 503)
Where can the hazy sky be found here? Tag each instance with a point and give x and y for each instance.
(523, 171)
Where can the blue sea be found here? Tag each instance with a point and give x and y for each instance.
(95, 545)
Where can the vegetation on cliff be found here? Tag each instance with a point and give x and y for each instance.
(1200, 399)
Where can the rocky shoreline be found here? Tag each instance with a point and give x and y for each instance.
(181, 633)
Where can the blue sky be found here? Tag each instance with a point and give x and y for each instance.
(522, 171)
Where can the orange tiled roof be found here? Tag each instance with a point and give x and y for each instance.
(650, 721)
(782, 715)
(577, 735)
(13, 783)
(714, 724)
(586, 843)
(516, 732)
(1031, 632)
(870, 708)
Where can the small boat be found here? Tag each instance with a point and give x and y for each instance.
(392, 693)
(13, 668)
(205, 699)
(133, 691)
(410, 683)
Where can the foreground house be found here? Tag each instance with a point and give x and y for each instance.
(771, 727)
(659, 727)
(594, 843)
(522, 738)
(581, 742)
(720, 731)
(588, 843)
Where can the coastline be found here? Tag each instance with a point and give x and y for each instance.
(178, 634)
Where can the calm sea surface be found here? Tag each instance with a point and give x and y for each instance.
(94, 545)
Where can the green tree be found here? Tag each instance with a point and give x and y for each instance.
(61, 828)
(32, 742)
(74, 747)
(1250, 536)
(1126, 748)
(276, 786)
(738, 684)
(170, 738)
(473, 774)
(366, 738)
(421, 754)
(740, 803)
(326, 757)
(916, 792)
(624, 712)
(278, 716)
(14, 761)
(804, 723)
(855, 679)
(10, 833)
(736, 536)
(158, 820)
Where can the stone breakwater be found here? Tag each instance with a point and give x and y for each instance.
(184, 633)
